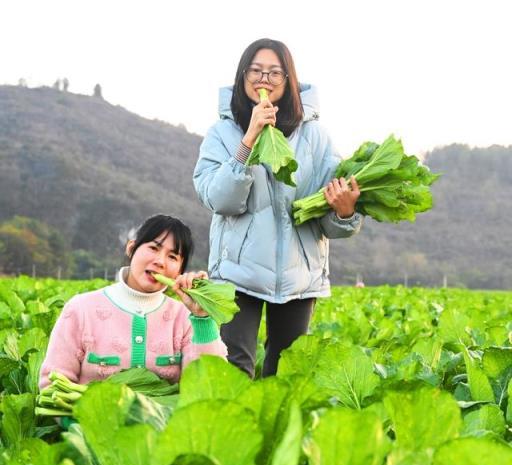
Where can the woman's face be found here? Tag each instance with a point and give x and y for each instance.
(267, 61)
(158, 256)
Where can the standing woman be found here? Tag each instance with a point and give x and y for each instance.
(253, 241)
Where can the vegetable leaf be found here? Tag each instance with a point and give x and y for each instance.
(347, 437)
(200, 381)
(200, 429)
(272, 149)
(384, 159)
(143, 381)
(217, 299)
(422, 419)
(473, 451)
(394, 186)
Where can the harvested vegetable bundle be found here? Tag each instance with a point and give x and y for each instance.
(57, 399)
(216, 299)
(394, 186)
(271, 148)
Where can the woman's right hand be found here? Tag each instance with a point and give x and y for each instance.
(185, 281)
(262, 114)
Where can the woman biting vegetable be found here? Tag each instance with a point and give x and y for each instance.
(253, 241)
(132, 323)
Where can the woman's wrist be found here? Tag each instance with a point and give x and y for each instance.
(344, 220)
(342, 215)
(248, 141)
(198, 312)
(249, 138)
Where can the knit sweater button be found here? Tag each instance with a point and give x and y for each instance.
(139, 339)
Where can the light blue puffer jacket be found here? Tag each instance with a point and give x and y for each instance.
(253, 242)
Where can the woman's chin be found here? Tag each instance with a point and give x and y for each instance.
(150, 286)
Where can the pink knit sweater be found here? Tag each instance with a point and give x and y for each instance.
(94, 338)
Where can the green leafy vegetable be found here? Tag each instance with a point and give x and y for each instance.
(479, 384)
(488, 418)
(473, 451)
(200, 381)
(217, 299)
(144, 381)
(394, 186)
(271, 148)
(200, 431)
(347, 437)
(433, 412)
(58, 399)
(17, 419)
(270, 401)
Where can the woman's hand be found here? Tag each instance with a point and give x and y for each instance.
(341, 197)
(262, 114)
(184, 281)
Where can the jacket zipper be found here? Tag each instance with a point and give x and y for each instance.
(279, 228)
(216, 266)
(303, 250)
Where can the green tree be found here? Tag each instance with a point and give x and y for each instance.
(86, 263)
(26, 242)
(97, 91)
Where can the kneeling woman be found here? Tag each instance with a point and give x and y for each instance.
(132, 323)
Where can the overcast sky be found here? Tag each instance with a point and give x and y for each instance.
(432, 72)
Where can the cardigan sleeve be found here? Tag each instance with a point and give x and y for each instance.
(65, 350)
(201, 337)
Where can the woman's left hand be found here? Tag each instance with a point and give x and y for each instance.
(184, 281)
(341, 197)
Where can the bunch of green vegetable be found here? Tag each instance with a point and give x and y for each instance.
(58, 398)
(394, 186)
(271, 148)
(216, 299)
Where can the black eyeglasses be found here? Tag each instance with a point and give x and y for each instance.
(275, 77)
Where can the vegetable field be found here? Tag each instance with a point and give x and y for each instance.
(388, 376)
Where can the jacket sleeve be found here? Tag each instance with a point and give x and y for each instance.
(202, 337)
(65, 351)
(334, 227)
(222, 182)
(327, 160)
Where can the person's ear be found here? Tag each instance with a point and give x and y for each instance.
(129, 248)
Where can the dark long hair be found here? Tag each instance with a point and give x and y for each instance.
(290, 111)
(158, 224)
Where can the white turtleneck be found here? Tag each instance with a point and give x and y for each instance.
(130, 300)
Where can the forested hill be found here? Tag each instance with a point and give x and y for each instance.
(466, 237)
(94, 170)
